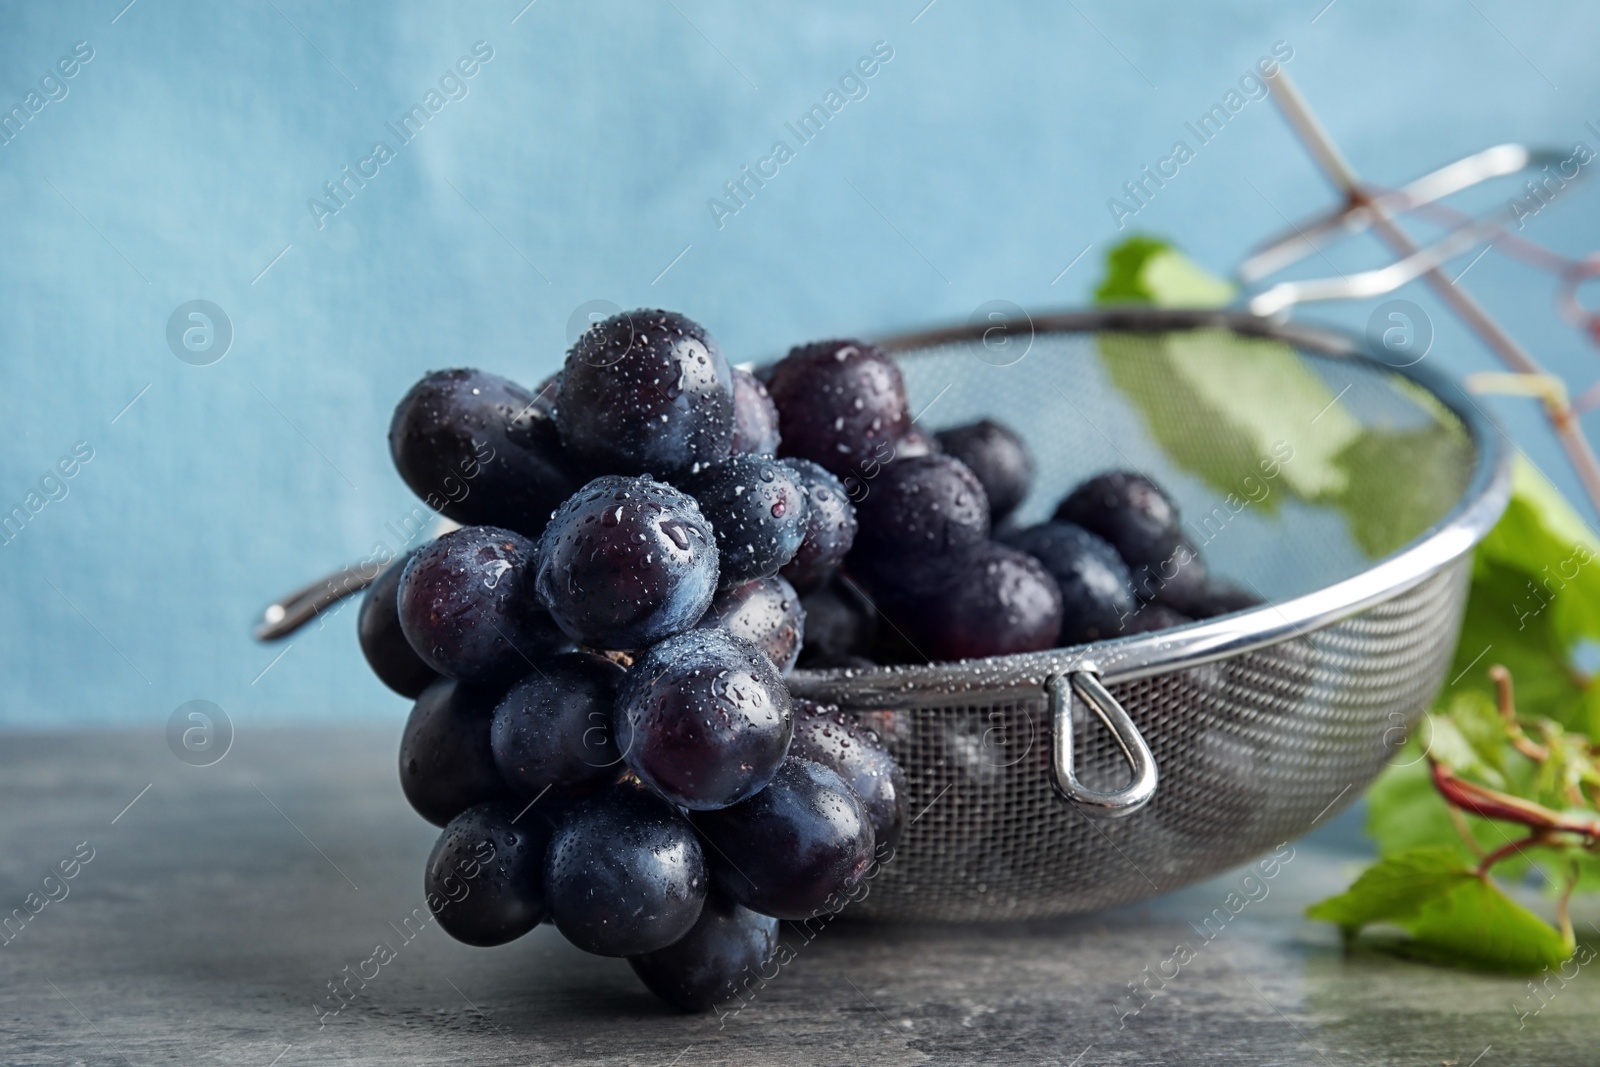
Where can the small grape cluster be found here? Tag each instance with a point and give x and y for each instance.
(939, 570)
(650, 543)
(598, 660)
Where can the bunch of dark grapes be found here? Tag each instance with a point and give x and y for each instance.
(1117, 549)
(602, 725)
(937, 571)
(653, 540)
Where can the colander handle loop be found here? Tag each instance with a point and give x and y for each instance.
(1086, 686)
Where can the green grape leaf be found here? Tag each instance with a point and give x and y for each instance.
(1496, 630)
(1451, 914)
(1395, 484)
(1272, 398)
(1535, 599)
(1148, 270)
(1217, 438)
(1394, 889)
(1238, 412)
(1227, 409)
(1475, 923)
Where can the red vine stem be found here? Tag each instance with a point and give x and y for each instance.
(1512, 849)
(1492, 804)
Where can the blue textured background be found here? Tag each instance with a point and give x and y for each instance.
(578, 167)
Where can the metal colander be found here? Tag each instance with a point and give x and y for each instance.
(1214, 742)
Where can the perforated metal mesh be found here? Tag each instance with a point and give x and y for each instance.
(1253, 750)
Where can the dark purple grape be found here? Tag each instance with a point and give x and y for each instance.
(728, 946)
(552, 730)
(1130, 512)
(388, 653)
(446, 766)
(479, 449)
(627, 562)
(646, 391)
(799, 847)
(625, 874)
(467, 606)
(992, 600)
(840, 626)
(916, 443)
(998, 457)
(918, 511)
(1151, 618)
(704, 719)
(1179, 581)
(767, 613)
(840, 403)
(755, 419)
(841, 742)
(757, 507)
(1096, 589)
(485, 877)
(830, 526)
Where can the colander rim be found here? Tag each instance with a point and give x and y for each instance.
(1485, 497)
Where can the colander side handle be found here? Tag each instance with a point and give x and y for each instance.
(1086, 686)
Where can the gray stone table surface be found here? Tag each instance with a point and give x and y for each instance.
(217, 907)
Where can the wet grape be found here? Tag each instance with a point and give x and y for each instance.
(830, 527)
(1128, 511)
(757, 506)
(840, 404)
(840, 626)
(466, 604)
(727, 947)
(552, 730)
(446, 765)
(388, 653)
(627, 562)
(999, 459)
(481, 450)
(624, 874)
(841, 742)
(1096, 589)
(485, 877)
(991, 600)
(704, 719)
(646, 391)
(755, 418)
(917, 511)
(767, 613)
(799, 847)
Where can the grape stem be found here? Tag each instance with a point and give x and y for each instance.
(1531, 841)
(1563, 913)
(1489, 803)
(1508, 711)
